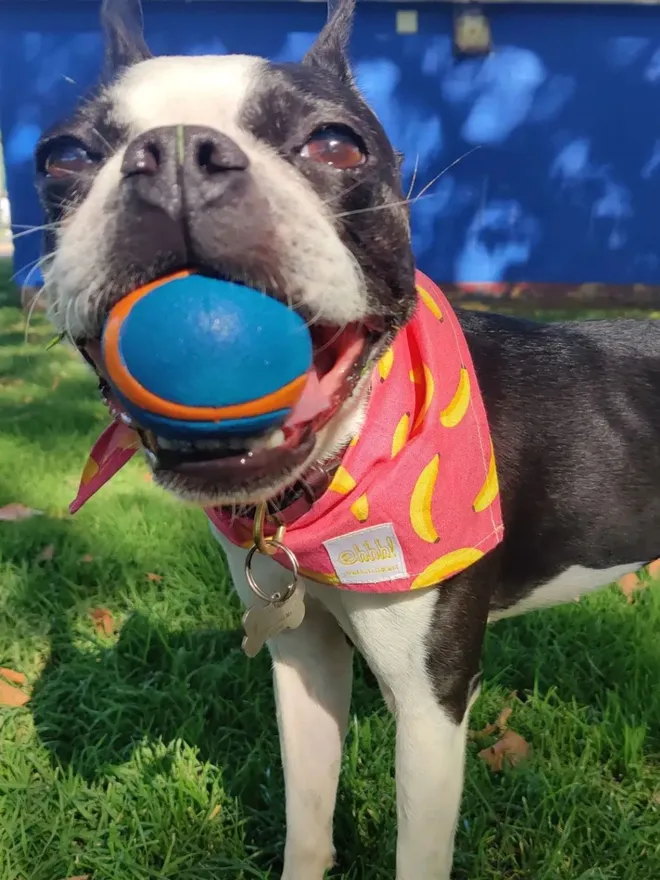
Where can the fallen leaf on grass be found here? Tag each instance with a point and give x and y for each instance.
(102, 620)
(630, 584)
(12, 676)
(511, 749)
(503, 717)
(148, 478)
(13, 512)
(156, 578)
(80, 877)
(56, 381)
(214, 812)
(87, 558)
(28, 399)
(46, 554)
(499, 725)
(653, 569)
(11, 696)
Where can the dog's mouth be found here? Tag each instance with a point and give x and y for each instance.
(230, 467)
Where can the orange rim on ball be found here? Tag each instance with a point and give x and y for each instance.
(283, 398)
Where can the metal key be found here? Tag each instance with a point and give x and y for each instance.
(263, 622)
(276, 612)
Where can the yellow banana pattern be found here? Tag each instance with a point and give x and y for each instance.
(488, 492)
(385, 364)
(453, 413)
(429, 385)
(360, 508)
(400, 434)
(417, 374)
(446, 566)
(420, 502)
(319, 576)
(429, 302)
(342, 482)
(90, 470)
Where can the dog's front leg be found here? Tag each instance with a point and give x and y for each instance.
(312, 670)
(312, 673)
(424, 656)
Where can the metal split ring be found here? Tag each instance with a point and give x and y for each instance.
(254, 586)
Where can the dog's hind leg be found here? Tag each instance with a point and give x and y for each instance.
(408, 643)
(312, 673)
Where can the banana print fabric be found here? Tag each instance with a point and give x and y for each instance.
(416, 499)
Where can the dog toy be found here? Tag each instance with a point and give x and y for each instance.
(189, 355)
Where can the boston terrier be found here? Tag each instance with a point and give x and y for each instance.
(462, 467)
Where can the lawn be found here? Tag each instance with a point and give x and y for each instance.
(152, 752)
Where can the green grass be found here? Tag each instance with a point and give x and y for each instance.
(153, 754)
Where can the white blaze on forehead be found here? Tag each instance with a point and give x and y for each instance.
(185, 90)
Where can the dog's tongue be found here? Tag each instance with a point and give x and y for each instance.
(116, 445)
(313, 401)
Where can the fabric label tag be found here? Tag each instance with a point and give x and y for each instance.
(369, 556)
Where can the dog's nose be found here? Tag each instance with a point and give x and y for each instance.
(183, 167)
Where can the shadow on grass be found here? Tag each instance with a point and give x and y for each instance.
(604, 655)
(91, 709)
(70, 409)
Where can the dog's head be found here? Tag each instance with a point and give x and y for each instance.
(278, 176)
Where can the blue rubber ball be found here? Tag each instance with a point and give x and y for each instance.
(191, 356)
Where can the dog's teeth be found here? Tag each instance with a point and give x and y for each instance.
(181, 445)
(275, 439)
(209, 444)
(270, 441)
(126, 419)
(151, 458)
(238, 444)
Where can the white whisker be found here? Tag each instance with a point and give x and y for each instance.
(33, 304)
(423, 194)
(444, 171)
(414, 177)
(29, 266)
(33, 229)
(343, 193)
(103, 140)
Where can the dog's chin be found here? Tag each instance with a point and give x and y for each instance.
(262, 475)
(244, 470)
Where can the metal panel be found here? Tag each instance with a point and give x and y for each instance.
(547, 151)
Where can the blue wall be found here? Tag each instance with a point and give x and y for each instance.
(565, 185)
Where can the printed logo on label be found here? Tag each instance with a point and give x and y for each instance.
(370, 556)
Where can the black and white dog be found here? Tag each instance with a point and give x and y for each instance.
(282, 177)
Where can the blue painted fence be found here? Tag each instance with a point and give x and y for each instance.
(564, 186)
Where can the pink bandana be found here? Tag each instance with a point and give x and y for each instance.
(415, 499)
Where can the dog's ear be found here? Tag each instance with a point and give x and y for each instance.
(124, 37)
(329, 51)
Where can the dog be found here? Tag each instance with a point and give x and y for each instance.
(299, 195)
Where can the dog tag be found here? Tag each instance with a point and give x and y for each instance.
(262, 622)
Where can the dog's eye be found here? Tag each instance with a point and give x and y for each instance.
(337, 147)
(67, 159)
